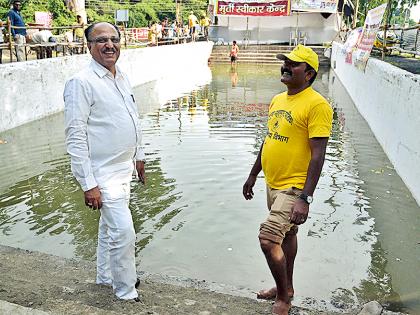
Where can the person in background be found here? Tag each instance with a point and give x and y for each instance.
(234, 53)
(205, 23)
(165, 24)
(18, 34)
(292, 156)
(172, 30)
(103, 139)
(152, 34)
(159, 30)
(78, 32)
(45, 40)
(192, 22)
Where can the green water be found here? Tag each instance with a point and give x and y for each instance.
(359, 244)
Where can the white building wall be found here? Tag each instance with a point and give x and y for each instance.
(276, 29)
(388, 98)
(34, 89)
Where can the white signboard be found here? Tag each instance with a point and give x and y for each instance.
(121, 15)
(327, 6)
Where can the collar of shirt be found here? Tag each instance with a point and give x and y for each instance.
(101, 71)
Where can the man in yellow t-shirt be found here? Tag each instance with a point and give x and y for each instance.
(205, 23)
(192, 22)
(292, 156)
(79, 32)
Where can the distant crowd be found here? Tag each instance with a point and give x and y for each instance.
(43, 42)
(168, 30)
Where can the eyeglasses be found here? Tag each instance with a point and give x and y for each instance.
(103, 40)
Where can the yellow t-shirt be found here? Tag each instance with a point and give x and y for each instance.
(79, 32)
(292, 121)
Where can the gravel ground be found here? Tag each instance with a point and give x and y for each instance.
(66, 286)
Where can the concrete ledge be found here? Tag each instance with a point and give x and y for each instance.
(7, 308)
(388, 99)
(34, 89)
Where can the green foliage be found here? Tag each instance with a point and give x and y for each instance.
(61, 15)
(397, 8)
(144, 12)
(141, 13)
(4, 8)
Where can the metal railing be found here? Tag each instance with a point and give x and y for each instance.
(407, 40)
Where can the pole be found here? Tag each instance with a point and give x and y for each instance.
(125, 35)
(247, 35)
(386, 16)
(297, 29)
(9, 30)
(176, 11)
(356, 11)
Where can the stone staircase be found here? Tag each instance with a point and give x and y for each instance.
(260, 54)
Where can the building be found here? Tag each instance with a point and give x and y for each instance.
(311, 22)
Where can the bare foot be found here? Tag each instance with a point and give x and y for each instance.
(271, 293)
(281, 308)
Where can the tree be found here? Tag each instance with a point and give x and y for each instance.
(397, 6)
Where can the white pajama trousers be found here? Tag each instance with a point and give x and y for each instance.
(116, 242)
(20, 41)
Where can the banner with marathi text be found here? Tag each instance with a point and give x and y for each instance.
(365, 43)
(327, 6)
(253, 7)
(43, 18)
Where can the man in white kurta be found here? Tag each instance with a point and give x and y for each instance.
(103, 137)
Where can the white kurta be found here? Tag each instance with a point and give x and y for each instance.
(103, 137)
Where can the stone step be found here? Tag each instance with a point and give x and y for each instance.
(264, 47)
(250, 54)
(261, 54)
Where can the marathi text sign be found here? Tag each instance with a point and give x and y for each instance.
(140, 33)
(43, 18)
(365, 43)
(327, 6)
(261, 8)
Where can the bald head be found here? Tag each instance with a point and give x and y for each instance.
(91, 28)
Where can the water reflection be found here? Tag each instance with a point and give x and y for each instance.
(191, 219)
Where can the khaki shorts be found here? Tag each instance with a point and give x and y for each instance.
(277, 225)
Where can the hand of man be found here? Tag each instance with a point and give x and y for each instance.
(140, 172)
(299, 212)
(247, 188)
(93, 198)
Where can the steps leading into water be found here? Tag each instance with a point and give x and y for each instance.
(261, 54)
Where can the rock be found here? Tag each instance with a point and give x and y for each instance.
(371, 308)
(189, 302)
(67, 290)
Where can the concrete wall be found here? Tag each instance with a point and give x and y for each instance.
(34, 89)
(388, 98)
(276, 29)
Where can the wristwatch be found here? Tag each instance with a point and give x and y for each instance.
(306, 198)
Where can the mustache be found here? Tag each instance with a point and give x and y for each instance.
(285, 70)
(109, 50)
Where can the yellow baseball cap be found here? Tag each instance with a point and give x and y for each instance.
(302, 54)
